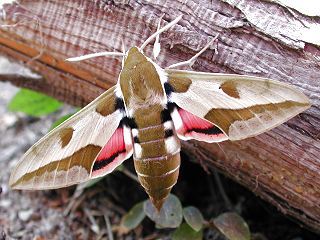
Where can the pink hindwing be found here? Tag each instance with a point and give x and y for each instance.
(117, 149)
(189, 126)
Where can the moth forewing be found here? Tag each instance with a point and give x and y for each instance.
(241, 106)
(66, 154)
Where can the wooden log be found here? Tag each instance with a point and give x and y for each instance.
(259, 38)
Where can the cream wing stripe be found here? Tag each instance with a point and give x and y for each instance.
(210, 85)
(273, 118)
(251, 130)
(270, 119)
(209, 96)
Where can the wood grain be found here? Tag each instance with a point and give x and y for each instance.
(255, 37)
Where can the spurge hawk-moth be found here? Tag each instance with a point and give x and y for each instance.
(145, 115)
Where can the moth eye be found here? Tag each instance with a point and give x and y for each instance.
(230, 88)
(65, 135)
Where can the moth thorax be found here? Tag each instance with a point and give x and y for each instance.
(158, 176)
(139, 79)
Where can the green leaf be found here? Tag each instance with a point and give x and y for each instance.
(232, 226)
(170, 215)
(185, 232)
(133, 218)
(33, 103)
(60, 120)
(193, 217)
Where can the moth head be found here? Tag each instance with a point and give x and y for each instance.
(132, 58)
(139, 78)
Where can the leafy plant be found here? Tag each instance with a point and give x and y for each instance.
(230, 224)
(133, 218)
(170, 215)
(185, 232)
(193, 217)
(33, 103)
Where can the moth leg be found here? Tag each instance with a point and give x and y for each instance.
(169, 25)
(191, 61)
(157, 46)
(123, 51)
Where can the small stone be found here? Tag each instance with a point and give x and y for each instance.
(4, 189)
(5, 203)
(25, 215)
(7, 120)
(38, 238)
(95, 228)
(3, 235)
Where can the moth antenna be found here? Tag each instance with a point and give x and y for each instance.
(31, 16)
(169, 25)
(123, 51)
(93, 55)
(123, 47)
(191, 61)
(157, 46)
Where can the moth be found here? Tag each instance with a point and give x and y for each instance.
(146, 114)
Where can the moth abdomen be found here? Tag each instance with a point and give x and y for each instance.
(157, 159)
(158, 176)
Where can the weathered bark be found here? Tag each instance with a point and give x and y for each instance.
(255, 37)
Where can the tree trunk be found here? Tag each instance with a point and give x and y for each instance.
(260, 38)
